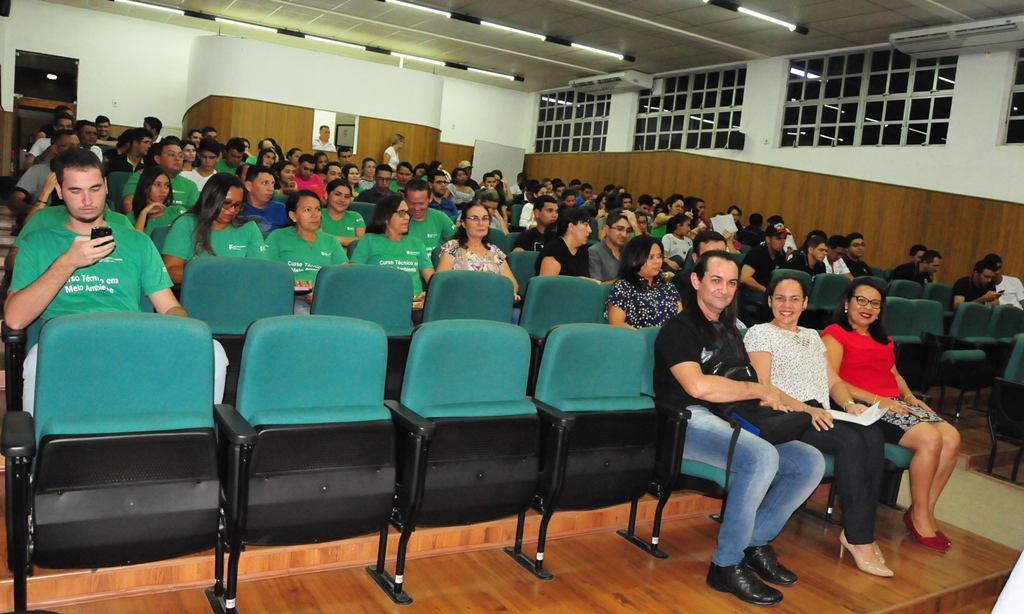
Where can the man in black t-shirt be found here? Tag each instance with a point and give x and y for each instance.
(761, 261)
(854, 257)
(919, 271)
(545, 212)
(702, 335)
(978, 287)
(810, 260)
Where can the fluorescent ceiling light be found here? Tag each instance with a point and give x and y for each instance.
(800, 73)
(421, 8)
(513, 30)
(947, 80)
(328, 40)
(789, 26)
(247, 25)
(417, 59)
(555, 101)
(617, 56)
(51, 76)
(152, 6)
(490, 73)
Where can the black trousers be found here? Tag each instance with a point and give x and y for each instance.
(859, 453)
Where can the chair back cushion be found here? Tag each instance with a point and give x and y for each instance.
(229, 294)
(366, 292)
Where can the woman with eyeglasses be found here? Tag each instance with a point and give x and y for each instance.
(640, 297)
(862, 353)
(387, 244)
(212, 228)
(471, 250)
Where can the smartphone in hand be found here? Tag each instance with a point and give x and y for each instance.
(99, 232)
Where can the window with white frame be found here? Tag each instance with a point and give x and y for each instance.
(570, 121)
(879, 97)
(694, 111)
(1015, 121)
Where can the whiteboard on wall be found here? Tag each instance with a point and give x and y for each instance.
(489, 156)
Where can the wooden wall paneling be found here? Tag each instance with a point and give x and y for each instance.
(6, 141)
(422, 143)
(289, 125)
(962, 228)
(450, 154)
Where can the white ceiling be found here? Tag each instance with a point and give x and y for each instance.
(663, 35)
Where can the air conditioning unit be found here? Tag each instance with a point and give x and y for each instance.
(956, 39)
(625, 81)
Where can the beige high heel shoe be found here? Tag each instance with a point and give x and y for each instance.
(878, 553)
(875, 568)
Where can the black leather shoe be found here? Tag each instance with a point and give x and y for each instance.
(741, 582)
(763, 561)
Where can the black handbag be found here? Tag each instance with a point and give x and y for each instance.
(769, 424)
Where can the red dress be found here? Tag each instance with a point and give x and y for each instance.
(866, 364)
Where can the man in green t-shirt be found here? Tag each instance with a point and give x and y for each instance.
(167, 155)
(234, 154)
(426, 224)
(61, 270)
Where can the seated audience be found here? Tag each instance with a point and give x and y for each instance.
(672, 207)
(303, 247)
(752, 235)
(527, 199)
(332, 171)
(811, 259)
(152, 202)
(678, 239)
(793, 359)
(284, 174)
(87, 138)
(921, 270)
(491, 201)
(260, 206)
(917, 252)
(978, 287)
(1011, 291)
(568, 199)
(471, 250)
(320, 166)
(366, 181)
(207, 153)
(350, 172)
(208, 131)
(860, 350)
(420, 170)
(62, 120)
(337, 219)
(854, 257)
(293, 156)
(835, 262)
(139, 141)
(188, 157)
(212, 227)
(640, 297)
(382, 179)
(761, 261)
(103, 130)
(267, 157)
(167, 155)
(306, 179)
(438, 188)
(428, 225)
(567, 254)
(458, 190)
(605, 255)
(403, 173)
(35, 187)
(545, 216)
(771, 481)
(234, 156)
(387, 244)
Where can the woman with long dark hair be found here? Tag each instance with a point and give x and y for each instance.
(212, 228)
(350, 173)
(387, 244)
(861, 351)
(567, 254)
(640, 297)
(152, 203)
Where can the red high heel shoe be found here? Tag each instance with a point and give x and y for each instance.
(935, 542)
(943, 537)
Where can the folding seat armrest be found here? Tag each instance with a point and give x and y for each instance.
(231, 423)
(12, 335)
(671, 411)
(19, 438)
(1001, 389)
(553, 415)
(410, 420)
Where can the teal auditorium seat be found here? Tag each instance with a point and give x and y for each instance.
(941, 293)
(877, 272)
(280, 197)
(970, 332)
(229, 294)
(825, 295)
(557, 300)
(515, 212)
(806, 277)
(17, 343)
(523, 268)
(603, 452)
(323, 466)
(469, 295)
(363, 209)
(158, 236)
(1006, 416)
(105, 473)
(482, 462)
(115, 187)
(377, 294)
(904, 288)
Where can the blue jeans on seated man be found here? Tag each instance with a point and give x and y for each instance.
(756, 510)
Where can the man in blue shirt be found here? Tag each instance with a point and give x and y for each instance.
(438, 188)
(268, 214)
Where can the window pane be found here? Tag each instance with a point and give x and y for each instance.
(829, 114)
(941, 107)
(826, 137)
(587, 126)
(726, 98)
(576, 144)
(851, 87)
(1017, 103)
(649, 143)
(663, 141)
(697, 101)
(638, 143)
(738, 98)
(947, 79)
(789, 136)
(812, 90)
(680, 102)
(871, 134)
(808, 114)
(917, 134)
(894, 110)
(712, 82)
(816, 68)
(924, 80)
(938, 134)
(666, 124)
(698, 81)
(877, 84)
(691, 140)
(704, 142)
(873, 112)
(677, 141)
(795, 91)
(670, 85)
(848, 112)
(729, 78)
(722, 122)
(742, 77)
(880, 61)
(640, 125)
(920, 109)
(1015, 131)
(836, 65)
(710, 100)
(806, 138)
(833, 88)
(891, 134)
(577, 129)
(899, 82)
(846, 136)
(855, 64)
(678, 123)
(900, 61)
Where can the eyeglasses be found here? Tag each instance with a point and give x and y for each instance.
(620, 228)
(402, 213)
(233, 206)
(656, 257)
(864, 301)
(479, 218)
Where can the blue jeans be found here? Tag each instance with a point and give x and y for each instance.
(757, 510)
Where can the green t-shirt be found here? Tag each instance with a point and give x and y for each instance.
(345, 227)
(184, 191)
(409, 255)
(115, 283)
(222, 167)
(434, 230)
(48, 217)
(243, 241)
(170, 214)
(305, 258)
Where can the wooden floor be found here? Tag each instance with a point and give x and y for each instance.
(603, 573)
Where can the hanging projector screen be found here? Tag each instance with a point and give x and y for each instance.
(490, 156)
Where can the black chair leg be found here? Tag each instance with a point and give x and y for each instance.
(17, 470)
(629, 533)
(534, 566)
(222, 596)
(1016, 464)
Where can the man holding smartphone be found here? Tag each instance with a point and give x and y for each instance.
(85, 265)
(978, 287)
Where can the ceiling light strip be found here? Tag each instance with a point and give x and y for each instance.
(420, 7)
(618, 56)
(732, 6)
(513, 30)
(333, 42)
(244, 24)
(490, 73)
(158, 7)
(414, 58)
